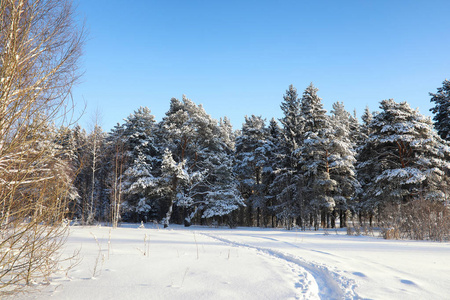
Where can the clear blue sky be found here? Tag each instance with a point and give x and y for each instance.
(238, 58)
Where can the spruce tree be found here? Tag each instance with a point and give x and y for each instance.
(367, 118)
(252, 150)
(315, 153)
(292, 125)
(274, 164)
(143, 165)
(341, 160)
(285, 184)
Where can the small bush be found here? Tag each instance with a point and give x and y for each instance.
(390, 234)
(417, 220)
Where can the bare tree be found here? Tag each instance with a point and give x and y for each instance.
(40, 45)
(94, 145)
(116, 189)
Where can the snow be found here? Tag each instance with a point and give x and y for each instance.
(247, 263)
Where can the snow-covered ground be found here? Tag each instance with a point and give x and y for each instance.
(247, 263)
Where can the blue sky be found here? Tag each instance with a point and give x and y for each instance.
(237, 58)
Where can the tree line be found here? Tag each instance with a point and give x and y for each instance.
(309, 169)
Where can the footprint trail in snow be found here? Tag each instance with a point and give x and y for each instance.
(315, 281)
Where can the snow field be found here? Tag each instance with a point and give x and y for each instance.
(247, 263)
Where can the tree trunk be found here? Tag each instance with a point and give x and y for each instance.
(169, 212)
(316, 220)
(333, 219)
(250, 215)
(258, 212)
(172, 201)
(322, 218)
(328, 220)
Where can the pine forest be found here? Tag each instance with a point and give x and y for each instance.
(310, 169)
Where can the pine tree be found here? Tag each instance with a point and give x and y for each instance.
(252, 151)
(227, 133)
(222, 197)
(143, 165)
(195, 164)
(402, 159)
(342, 160)
(441, 110)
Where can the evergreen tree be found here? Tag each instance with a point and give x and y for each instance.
(82, 175)
(402, 159)
(143, 165)
(227, 133)
(367, 118)
(195, 164)
(252, 151)
(356, 136)
(442, 109)
(292, 124)
(274, 164)
(341, 160)
(315, 153)
(285, 183)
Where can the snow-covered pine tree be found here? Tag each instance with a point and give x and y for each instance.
(214, 194)
(285, 182)
(194, 164)
(143, 166)
(223, 196)
(403, 159)
(441, 110)
(341, 160)
(252, 151)
(315, 152)
(274, 164)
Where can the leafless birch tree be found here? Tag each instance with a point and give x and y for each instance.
(40, 45)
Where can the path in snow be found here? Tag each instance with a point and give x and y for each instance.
(376, 268)
(315, 280)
